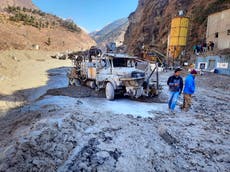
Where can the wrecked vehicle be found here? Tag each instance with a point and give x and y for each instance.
(116, 73)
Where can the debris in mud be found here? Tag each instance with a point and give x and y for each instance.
(50, 144)
(155, 99)
(83, 91)
(164, 133)
(60, 56)
(44, 150)
(115, 154)
(76, 92)
(90, 158)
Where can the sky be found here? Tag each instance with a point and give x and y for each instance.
(91, 15)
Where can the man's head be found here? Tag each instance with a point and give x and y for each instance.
(193, 72)
(177, 71)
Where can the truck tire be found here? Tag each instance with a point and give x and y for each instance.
(109, 91)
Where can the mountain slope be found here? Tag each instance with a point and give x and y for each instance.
(113, 32)
(26, 28)
(20, 3)
(150, 23)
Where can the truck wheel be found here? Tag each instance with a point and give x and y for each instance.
(77, 82)
(109, 91)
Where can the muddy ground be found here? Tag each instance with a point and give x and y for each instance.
(84, 91)
(27, 74)
(69, 129)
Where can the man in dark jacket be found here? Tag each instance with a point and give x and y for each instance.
(175, 84)
(189, 89)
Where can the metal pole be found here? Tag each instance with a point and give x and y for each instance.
(157, 73)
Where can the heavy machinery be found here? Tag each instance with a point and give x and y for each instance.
(116, 73)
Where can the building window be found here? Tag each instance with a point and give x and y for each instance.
(216, 35)
(202, 66)
(228, 32)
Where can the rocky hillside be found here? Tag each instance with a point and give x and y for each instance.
(150, 23)
(20, 3)
(113, 32)
(24, 28)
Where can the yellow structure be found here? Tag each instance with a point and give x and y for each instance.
(178, 35)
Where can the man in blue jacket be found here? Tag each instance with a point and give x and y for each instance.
(175, 83)
(189, 89)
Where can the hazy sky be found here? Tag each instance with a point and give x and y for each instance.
(89, 14)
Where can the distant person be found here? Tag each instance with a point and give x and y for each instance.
(208, 45)
(164, 66)
(204, 47)
(175, 83)
(189, 89)
(194, 49)
(212, 45)
(199, 48)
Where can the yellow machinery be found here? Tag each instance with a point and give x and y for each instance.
(151, 54)
(178, 36)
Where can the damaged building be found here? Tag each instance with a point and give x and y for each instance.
(218, 29)
(217, 64)
(218, 32)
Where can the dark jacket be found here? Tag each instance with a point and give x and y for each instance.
(175, 83)
(189, 87)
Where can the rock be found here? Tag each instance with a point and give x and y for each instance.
(9, 151)
(103, 154)
(115, 154)
(79, 102)
(37, 162)
(164, 133)
(223, 158)
(14, 58)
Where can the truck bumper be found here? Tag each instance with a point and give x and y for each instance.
(135, 92)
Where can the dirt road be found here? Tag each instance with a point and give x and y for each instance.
(26, 75)
(81, 133)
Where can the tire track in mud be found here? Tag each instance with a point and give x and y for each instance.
(83, 92)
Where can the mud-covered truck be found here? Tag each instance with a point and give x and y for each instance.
(116, 73)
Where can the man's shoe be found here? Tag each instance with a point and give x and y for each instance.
(184, 110)
(171, 112)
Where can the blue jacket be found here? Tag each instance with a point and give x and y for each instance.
(189, 87)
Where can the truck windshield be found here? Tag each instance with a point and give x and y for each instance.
(122, 62)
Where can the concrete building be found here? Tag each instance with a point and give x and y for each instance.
(218, 29)
(219, 64)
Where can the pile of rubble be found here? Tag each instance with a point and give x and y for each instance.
(73, 55)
